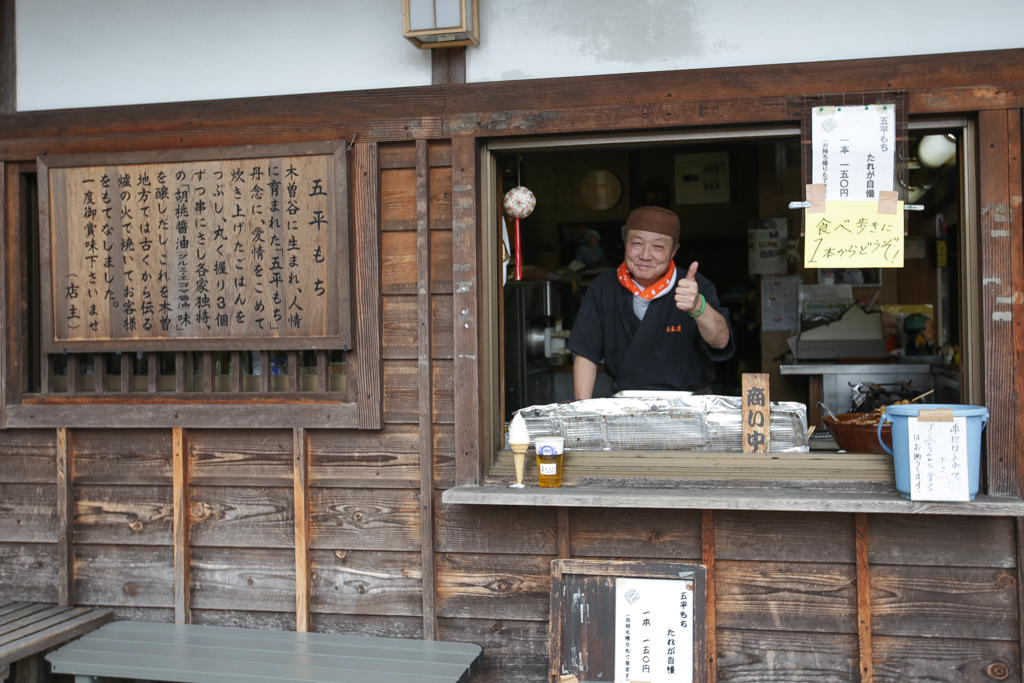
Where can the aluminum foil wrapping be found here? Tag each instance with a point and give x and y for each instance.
(684, 423)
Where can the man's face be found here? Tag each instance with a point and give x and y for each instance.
(648, 255)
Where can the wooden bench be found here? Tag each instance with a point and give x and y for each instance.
(218, 654)
(27, 628)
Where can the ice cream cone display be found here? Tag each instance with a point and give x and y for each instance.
(519, 441)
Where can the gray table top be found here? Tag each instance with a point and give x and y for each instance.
(217, 654)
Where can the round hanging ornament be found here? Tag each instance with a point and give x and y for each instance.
(519, 203)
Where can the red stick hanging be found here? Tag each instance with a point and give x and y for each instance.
(519, 254)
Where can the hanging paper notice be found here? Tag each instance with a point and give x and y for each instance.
(853, 150)
(938, 459)
(653, 631)
(853, 234)
(780, 303)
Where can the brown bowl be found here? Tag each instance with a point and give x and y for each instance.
(858, 438)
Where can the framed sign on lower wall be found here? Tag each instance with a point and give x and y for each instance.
(627, 622)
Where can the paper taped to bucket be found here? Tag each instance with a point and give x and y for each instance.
(936, 450)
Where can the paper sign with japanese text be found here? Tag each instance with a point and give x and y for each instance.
(853, 234)
(938, 460)
(654, 630)
(853, 150)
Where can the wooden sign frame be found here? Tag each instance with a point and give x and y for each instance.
(593, 578)
(338, 325)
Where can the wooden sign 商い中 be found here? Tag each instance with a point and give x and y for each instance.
(757, 420)
(240, 248)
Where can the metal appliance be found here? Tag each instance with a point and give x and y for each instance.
(536, 326)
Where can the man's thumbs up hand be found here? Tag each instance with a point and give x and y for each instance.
(687, 293)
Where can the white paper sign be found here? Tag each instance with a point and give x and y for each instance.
(853, 150)
(653, 631)
(780, 306)
(766, 248)
(938, 460)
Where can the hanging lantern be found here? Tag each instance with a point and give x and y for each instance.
(519, 203)
(430, 24)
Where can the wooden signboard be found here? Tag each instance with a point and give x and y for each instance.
(627, 622)
(219, 249)
(757, 417)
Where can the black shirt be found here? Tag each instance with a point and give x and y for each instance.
(664, 351)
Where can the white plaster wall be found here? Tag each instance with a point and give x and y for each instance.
(79, 53)
(86, 53)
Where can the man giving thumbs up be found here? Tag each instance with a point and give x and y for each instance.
(628, 321)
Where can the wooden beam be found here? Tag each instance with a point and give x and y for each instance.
(4, 369)
(300, 459)
(564, 534)
(707, 534)
(867, 668)
(127, 374)
(1020, 580)
(182, 523)
(8, 59)
(466, 307)
(1015, 177)
(65, 519)
(448, 65)
(426, 375)
(366, 239)
(1000, 238)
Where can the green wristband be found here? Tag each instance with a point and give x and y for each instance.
(703, 302)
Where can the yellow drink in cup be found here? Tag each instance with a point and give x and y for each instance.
(549, 461)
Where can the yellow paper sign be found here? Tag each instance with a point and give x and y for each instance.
(854, 235)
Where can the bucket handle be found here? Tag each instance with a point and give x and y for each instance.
(885, 418)
(881, 421)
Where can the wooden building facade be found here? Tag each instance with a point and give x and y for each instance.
(304, 511)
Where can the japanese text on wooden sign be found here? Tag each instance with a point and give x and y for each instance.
(938, 459)
(757, 421)
(241, 251)
(654, 630)
(855, 219)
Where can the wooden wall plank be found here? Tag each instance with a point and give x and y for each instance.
(651, 534)
(367, 582)
(783, 537)
(129, 456)
(709, 554)
(241, 517)
(182, 526)
(1015, 183)
(243, 618)
(941, 540)
(863, 599)
(514, 651)
(366, 240)
(8, 60)
(28, 513)
(28, 456)
(29, 572)
(241, 457)
(426, 382)
(813, 597)
(755, 656)
(501, 530)
(257, 579)
(942, 660)
(997, 252)
(466, 304)
(398, 273)
(388, 458)
(400, 320)
(301, 531)
(398, 199)
(401, 391)
(564, 534)
(369, 625)
(494, 586)
(444, 456)
(944, 602)
(403, 154)
(371, 519)
(65, 511)
(135, 576)
(124, 515)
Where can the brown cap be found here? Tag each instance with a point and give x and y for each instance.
(654, 219)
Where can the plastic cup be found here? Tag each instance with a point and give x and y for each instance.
(549, 461)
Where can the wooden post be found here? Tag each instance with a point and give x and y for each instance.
(757, 419)
(707, 533)
(65, 519)
(182, 518)
(366, 240)
(564, 534)
(867, 671)
(426, 374)
(8, 56)
(300, 458)
(465, 302)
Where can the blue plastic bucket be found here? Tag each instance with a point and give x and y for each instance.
(977, 418)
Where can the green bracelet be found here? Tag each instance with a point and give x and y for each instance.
(703, 302)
